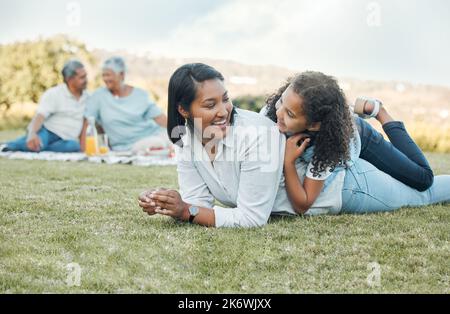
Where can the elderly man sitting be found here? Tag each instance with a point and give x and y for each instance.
(58, 121)
(130, 120)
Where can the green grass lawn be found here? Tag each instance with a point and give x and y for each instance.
(55, 213)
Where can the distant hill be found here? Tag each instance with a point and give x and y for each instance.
(407, 101)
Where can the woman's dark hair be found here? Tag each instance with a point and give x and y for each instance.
(324, 102)
(183, 87)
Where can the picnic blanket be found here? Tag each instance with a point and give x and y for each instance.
(110, 158)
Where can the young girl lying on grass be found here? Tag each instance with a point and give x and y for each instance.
(324, 145)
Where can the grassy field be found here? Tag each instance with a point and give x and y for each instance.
(58, 220)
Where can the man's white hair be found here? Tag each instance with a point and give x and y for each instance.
(70, 68)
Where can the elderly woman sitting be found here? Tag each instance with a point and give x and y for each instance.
(126, 114)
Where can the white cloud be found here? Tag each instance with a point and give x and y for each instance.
(327, 35)
(252, 31)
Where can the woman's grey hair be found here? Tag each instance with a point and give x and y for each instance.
(70, 69)
(116, 64)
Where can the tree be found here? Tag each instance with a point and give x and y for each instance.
(29, 68)
(248, 102)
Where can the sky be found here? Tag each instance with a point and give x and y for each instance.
(403, 40)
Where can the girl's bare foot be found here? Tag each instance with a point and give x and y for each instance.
(383, 116)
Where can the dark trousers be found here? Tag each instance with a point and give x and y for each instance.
(401, 158)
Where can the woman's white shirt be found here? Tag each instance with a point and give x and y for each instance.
(244, 176)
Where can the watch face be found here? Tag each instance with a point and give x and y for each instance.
(193, 210)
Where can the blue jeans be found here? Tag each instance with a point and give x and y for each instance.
(50, 142)
(367, 189)
(401, 158)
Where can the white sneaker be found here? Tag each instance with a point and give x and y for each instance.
(4, 148)
(359, 107)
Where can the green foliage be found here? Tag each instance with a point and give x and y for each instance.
(29, 68)
(248, 102)
(430, 139)
(14, 122)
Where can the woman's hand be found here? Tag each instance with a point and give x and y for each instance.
(169, 203)
(146, 203)
(293, 151)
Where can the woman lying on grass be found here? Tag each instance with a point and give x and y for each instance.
(313, 103)
(217, 155)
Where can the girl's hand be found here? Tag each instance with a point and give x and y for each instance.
(293, 151)
(169, 203)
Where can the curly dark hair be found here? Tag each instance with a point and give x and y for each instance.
(324, 102)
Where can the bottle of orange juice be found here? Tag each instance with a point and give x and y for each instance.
(91, 138)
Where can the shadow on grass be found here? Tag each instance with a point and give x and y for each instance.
(284, 218)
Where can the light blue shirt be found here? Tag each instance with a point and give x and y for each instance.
(330, 199)
(125, 120)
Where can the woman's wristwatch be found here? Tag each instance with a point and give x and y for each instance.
(193, 212)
